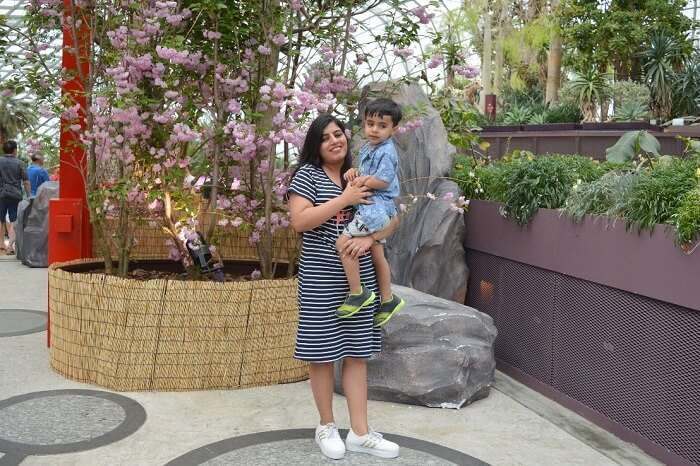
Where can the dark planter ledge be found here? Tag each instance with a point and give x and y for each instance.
(598, 249)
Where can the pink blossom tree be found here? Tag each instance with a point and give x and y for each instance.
(196, 109)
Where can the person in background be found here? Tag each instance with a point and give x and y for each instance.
(55, 173)
(13, 176)
(37, 173)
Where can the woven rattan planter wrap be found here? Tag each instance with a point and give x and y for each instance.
(126, 334)
(233, 243)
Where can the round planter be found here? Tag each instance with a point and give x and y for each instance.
(127, 334)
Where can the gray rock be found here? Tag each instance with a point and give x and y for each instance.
(436, 353)
(428, 246)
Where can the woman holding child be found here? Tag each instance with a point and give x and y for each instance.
(321, 201)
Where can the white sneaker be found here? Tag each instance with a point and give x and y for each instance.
(330, 442)
(372, 443)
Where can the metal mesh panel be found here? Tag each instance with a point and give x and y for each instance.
(633, 359)
(484, 276)
(525, 297)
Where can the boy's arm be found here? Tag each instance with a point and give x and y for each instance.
(384, 174)
(375, 183)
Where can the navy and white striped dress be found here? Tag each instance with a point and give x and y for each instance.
(321, 336)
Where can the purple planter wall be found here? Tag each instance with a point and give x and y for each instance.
(591, 143)
(603, 320)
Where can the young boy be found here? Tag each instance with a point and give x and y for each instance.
(378, 170)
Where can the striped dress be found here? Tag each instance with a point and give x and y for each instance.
(321, 336)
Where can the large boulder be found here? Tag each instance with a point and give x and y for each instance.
(436, 353)
(428, 246)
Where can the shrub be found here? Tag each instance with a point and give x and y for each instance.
(517, 116)
(563, 112)
(530, 183)
(659, 192)
(632, 111)
(630, 93)
(600, 197)
(687, 218)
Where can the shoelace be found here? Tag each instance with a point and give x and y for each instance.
(328, 431)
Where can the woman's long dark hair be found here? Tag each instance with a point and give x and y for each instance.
(311, 152)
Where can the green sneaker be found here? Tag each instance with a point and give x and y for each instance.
(387, 310)
(354, 302)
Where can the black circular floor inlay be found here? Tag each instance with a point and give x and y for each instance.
(296, 447)
(10, 459)
(65, 421)
(14, 322)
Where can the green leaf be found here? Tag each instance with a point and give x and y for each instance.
(649, 143)
(623, 150)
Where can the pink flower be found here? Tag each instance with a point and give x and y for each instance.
(255, 275)
(236, 184)
(279, 39)
(423, 16)
(233, 106)
(262, 50)
(465, 70)
(403, 53)
(435, 61)
(212, 35)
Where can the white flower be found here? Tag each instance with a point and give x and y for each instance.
(431, 196)
(472, 174)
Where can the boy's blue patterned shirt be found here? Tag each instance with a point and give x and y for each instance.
(382, 162)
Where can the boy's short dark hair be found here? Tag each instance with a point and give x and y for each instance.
(9, 147)
(384, 107)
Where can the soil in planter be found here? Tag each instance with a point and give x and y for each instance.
(171, 270)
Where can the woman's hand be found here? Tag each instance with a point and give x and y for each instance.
(361, 180)
(353, 195)
(357, 246)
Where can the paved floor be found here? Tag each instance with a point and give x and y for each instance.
(48, 420)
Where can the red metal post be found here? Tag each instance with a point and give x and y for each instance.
(70, 234)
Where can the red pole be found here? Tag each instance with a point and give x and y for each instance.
(70, 234)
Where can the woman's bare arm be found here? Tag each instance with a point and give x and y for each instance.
(304, 216)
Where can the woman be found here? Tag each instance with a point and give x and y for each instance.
(320, 204)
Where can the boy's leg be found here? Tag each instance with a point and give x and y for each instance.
(381, 266)
(350, 265)
(359, 296)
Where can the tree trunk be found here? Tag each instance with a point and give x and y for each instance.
(604, 109)
(588, 111)
(500, 39)
(268, 69)
(486, 57)
(553, 69)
